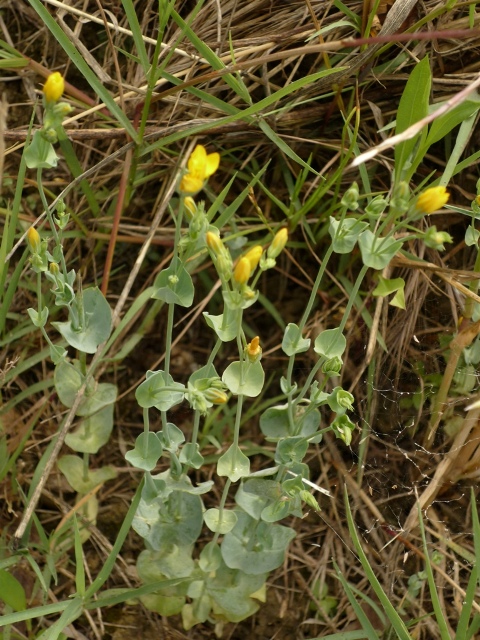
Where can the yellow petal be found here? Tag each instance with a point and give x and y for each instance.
(242, 271)
(197, 162)
(190, 184)
(212, 164)
(253, 256)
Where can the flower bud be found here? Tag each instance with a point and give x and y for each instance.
(376, 207)
(50, 135)
(432, 199)
(54, 269)
(254, 350)
(62, 109)
(190, 207)
(215, 396)
(343, 428)
(350, 198)
(332, 366)
(340, 401)
(54, 87)
(33, 240)
(278, 244)
(242, 271)
(214, 243)
(435, 239)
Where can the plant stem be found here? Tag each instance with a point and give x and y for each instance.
(53, 226)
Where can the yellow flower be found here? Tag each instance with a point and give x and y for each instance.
(254, 350)
(54, 87)
(242, 271)
(200, 167)
(278, 243)
(33, 240)
(432, 199)
(253, 256)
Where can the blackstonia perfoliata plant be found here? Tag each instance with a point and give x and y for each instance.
(225, 580)
(214, 563)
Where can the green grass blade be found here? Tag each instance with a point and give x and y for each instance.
(283, 146)
(217, 204)
(72, 611)
(226, 215)
(216, 103)
(35, 612)
(413, 107)
(107, 568)
(134, 27)
(473, 628)
(344, 635)
(439, 614)
(476, 534)
(79, 568)
(213, 60)
(245, 114)
(395, 620)
(83, 67)
(116, 596)
(77, 170)
(462, 626)
(368, 628)
(463, 138)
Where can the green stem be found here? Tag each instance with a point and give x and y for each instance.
(473, 286)
(316, 286)
(168, 338)
(196, 425)
(238, 420)
(351, 302)
(214, 352)
(146, 431)
(221, 506)
(85, 466)
(49, 215)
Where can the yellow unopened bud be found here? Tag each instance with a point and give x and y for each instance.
(253, 256)
(214, 243)
(432, 199)
(254, 350)
(54, 268)
(242, 271)
(33, 240)
(278, 243)
(190, 207)
(216, 396)
(54, 87)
